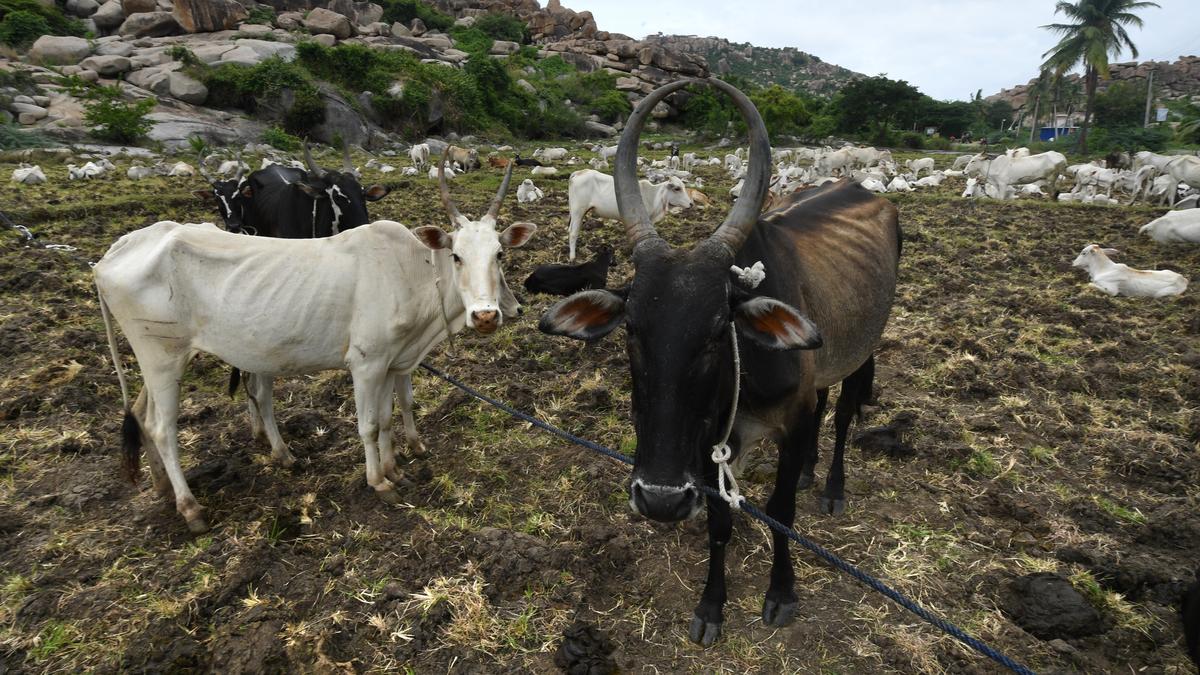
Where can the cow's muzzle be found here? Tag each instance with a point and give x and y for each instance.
(664, 503)
(486, 321)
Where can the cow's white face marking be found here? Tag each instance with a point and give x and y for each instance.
(335, 192)
(476, 256)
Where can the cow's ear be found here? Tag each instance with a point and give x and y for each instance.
(433, 237)
(515, 235)
(774, 325)
(587, 315)
(247, 191)
(375, 193)
(311, 190)
(204, 194)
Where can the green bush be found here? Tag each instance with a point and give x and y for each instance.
(262, 14)
(278, 138)
(501, 26)
(821, 126)
(115, 119)
(183, 55)
(405, 11)
(471, 40)
(307, 111)
(19, 79)
(1129, 139)
(14, 138)
(913, 140)
(937, 142)
(19, 29)
(57, 22)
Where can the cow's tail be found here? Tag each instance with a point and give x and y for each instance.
(131, 431)
(860, 387)
(235, 378)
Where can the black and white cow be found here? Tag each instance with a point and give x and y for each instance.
(831, 255)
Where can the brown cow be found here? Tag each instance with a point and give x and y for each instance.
(498, 162)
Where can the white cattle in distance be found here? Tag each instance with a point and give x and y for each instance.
(543, 171)
(589, 190)
(550, 154)
(1120, 279)
(419, 155)
(1175, 227)
(527, 192)
(1183, 170)
(28, 175)
(373, 300)
(915, 166)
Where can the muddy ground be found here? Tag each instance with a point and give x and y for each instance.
(1050, 428)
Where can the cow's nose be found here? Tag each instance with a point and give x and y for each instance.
(486, 321)
(664, 503)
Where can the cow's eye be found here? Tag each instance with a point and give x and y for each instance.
(457, 260)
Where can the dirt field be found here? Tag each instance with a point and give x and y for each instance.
(1052, 428)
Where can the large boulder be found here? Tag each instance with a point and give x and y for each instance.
(368, 12)
(208, 16)
(156, 80)
(322, 21)
(138, 6)
(82, 8)
(109, 16)
(289, 20)
(186, 89)
(53, 49)
(114, 48)
(107, 66)
(150, 24)
(175, 128)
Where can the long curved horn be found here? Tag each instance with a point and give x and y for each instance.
(494, 210)
(241, 169)
(317, 171)
(347, 165)
(451, 209)
(744, 214)
(200, 168)
(638, 227)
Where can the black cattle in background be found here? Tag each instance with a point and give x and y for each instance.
(568, 279)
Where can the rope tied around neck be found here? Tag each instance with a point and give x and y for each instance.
(722, 453)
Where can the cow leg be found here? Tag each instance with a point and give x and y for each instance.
(780, 601)
(856, 390)
(387, 456)
(369, 382)
(573, 235)
(257, 430)
(810, 457)
(405, 389)
(143, 410)
(260, 389)
(164, 431)
(708, 615)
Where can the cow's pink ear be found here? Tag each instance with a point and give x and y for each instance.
(376, 192)
(515, 235)
(433, 237)
(775, 325)
(587, 315)
(247, 192)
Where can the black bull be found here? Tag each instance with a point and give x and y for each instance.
(831, 256)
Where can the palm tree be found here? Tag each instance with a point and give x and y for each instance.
(1040, 88)
(1098, 32)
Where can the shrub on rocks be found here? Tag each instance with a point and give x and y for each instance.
(405, 11)
(115, 119)
(57, 23)
(19, 29)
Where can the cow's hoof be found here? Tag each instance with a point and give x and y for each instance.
(197, 524)
(416, 450)
(704, 633)
(388, 493)
(397, 477)
(777, 613)
(286, 461)
(805, 482)
(832, 506)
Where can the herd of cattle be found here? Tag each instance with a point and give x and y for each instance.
(384, 295)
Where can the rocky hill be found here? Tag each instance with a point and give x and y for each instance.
(789, 67)
(1172, 81)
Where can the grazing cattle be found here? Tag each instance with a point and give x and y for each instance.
(433, 173)
(498, 162)
(527, 192)
(1147, 158)
(1004, 172)
(28, 175)
(1017, 152)
(467, 159)
(606, 152)
(898, 184)
(543, 171)
(419, 154)
(551, 154)
(1174, 227)
(372, 300)
(831, 256)
(568, 279)
(139, 172)
(1185, 170)
(590, 190)
(294, 204)
(916, 166)
(836, 162)
(1120, 279)
(961, 162)
(524, 161)
(230, 196)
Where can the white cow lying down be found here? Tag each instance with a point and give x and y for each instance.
(589, 190)
(1175, 227)
(366, 300)
(1120, 279)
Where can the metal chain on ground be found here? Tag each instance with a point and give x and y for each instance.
(829, 557)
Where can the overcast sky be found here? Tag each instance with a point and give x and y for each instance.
(947, 48)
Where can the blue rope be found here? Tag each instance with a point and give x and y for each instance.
(821, 552)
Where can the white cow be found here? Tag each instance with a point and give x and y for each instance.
(181, 170)
(1185, 170)
(836, 162)
(1017, 152)
(528, 192)
(606, 152)
(589, 190)
(1004, 172)
(961, 162)
(419, 154)
(1175, 227)
(139, 172)
(972, 189)
(373, 300)
(932, 180)
(917, 165)
(1147, 158)
(898, 184)
(28, 175)
(550, 154)
(1120, 279)
(874, 185)
(433, 172)
(543, 171)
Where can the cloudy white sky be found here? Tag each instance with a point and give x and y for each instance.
(947, 48)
